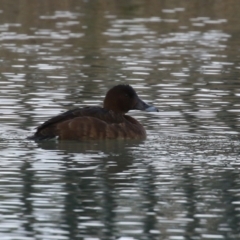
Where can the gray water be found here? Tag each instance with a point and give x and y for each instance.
(182, 182)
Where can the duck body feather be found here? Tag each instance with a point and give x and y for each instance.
(90, 123)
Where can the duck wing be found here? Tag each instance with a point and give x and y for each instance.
(47, 130)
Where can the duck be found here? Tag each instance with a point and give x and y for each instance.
(98, 123)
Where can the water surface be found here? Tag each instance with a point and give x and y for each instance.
(183, 181)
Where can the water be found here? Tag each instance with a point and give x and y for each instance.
(183, 181)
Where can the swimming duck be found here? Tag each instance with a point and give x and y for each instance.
(109, 122)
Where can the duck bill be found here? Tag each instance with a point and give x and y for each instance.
(141, 105)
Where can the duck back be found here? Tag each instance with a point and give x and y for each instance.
(90, 123)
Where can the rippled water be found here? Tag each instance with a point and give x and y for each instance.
(183, 181)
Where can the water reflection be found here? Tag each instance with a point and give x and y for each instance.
(89, 199)
(26, 199)
(182, 182)
(165, 187)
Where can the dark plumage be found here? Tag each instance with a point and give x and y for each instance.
(109, 122)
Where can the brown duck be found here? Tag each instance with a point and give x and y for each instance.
(109, 122)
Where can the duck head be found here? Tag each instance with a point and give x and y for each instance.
(123, 98)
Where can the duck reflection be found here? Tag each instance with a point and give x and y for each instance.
(91, 175)
(99, 181)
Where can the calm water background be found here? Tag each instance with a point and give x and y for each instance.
(181, 183)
